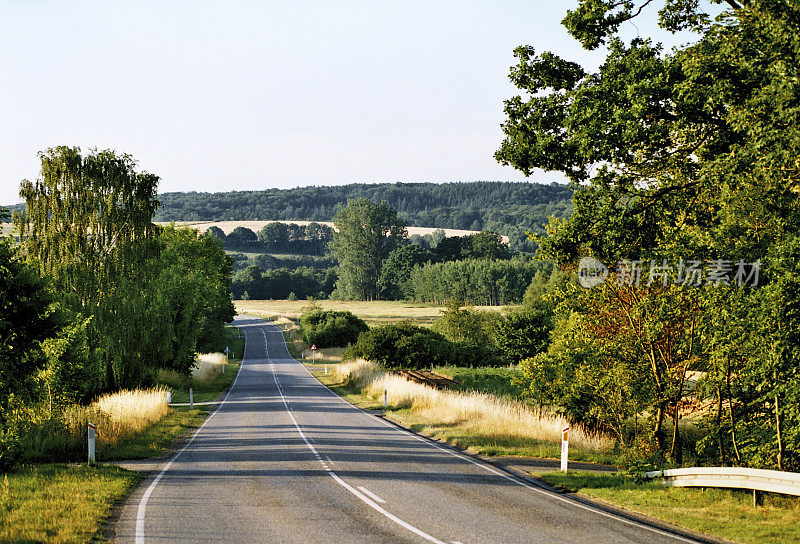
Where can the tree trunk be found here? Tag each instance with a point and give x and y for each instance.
(779, 433)
(719, 426)
(676, 451)
(730, 410)
(658, 431)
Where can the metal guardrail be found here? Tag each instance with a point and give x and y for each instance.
(773, 481)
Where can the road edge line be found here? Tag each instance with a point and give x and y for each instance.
(142, 509)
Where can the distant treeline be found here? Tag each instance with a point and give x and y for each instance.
(508, 208)
(283, 238)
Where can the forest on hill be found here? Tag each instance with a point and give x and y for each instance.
(508, 208)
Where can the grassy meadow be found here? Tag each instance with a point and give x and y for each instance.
(373, 312)
(63, 504)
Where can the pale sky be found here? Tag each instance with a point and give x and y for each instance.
(248, 95)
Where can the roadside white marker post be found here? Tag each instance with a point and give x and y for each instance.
(169, 397)
(227, 349)
(191, 398)
(564, 448)
(385, 398)
(92, 430)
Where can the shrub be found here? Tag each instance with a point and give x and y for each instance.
(472, 332)
(524, 334)
(330, 328)
(403, 345)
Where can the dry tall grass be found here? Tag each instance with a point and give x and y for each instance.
(480, 413)
(207, 366)
(119, 415)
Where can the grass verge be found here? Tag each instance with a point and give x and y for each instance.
(723, 513)
(458, 431)
(60, 504)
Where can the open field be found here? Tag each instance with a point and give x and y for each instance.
(374, 313)
(228, 226)
(723, 513)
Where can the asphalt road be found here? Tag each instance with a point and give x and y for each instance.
(284, 460)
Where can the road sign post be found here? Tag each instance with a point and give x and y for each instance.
(314, 349)
(92, 430)
(564, 448)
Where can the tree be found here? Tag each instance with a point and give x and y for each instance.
(366, 234)
(275, 236)
(241, 237)
(216, 232)
(686, 155)
(486, 245)
(396, 271)
(29, 319)
(523, 334)
(88, 227)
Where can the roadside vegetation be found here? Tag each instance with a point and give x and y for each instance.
(477, 421)
(723, 513)
(57, 503)
(99, 307)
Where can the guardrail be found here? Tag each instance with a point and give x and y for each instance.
(773, 481)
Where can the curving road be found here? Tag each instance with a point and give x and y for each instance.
(284, 460)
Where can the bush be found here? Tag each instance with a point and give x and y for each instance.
(404, 346)
(472, 332)
(330, 328)
(524, 334)
(10, 447)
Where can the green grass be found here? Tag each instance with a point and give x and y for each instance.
(60, 504)
(499, 381)
(722, 513)
(208, 392)
(235, 340)
(157, 438)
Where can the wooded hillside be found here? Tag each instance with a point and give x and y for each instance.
(503, 207)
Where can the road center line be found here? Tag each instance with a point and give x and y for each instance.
(509, 477)
(363, 497)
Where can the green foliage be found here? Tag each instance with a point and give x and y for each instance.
(396, 271)
(479, 282)
(525, 333)
(29, 319)
(681, 155)
(472, 332)
(403, 346)
(88, 226)
(278, 283)
(328, 328)
(366, 235)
